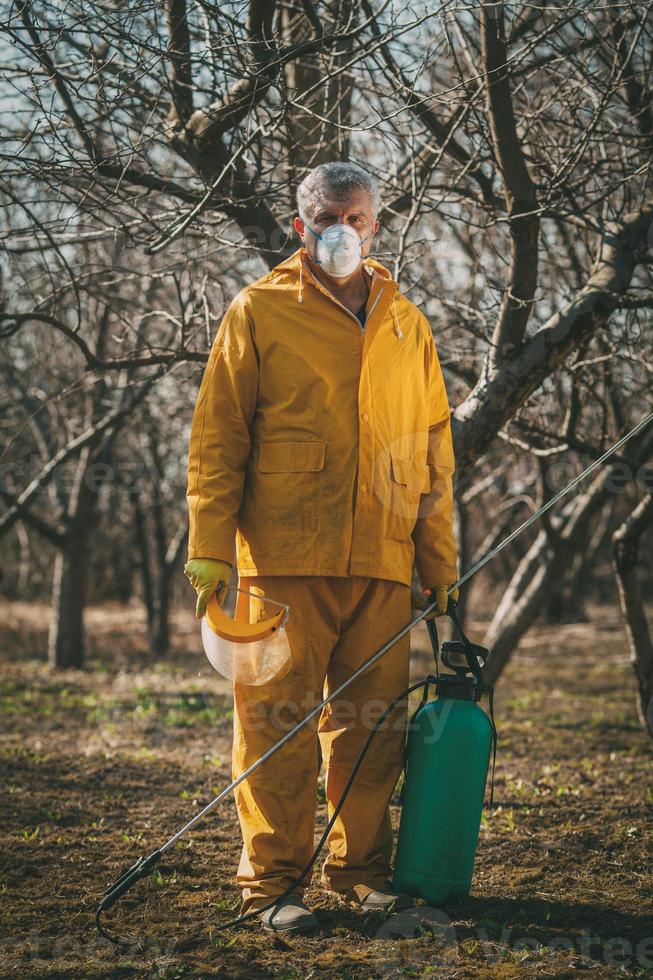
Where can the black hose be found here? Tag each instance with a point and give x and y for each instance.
(277, 898)
(143, 866)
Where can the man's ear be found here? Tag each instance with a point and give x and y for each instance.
(298, 225)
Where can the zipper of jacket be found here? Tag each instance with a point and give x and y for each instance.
(341, 305)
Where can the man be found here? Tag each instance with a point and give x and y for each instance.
(321, 442)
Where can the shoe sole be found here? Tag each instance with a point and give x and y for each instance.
(355, 905)
(308, 927)
(392, 907)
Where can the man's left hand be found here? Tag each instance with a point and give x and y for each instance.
(440, 594)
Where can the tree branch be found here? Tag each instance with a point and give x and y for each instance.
(637, 97)
(93, 362)
(441, 131)
(44, 58)
(519, 190)
(55, 533)
(88, 437)
(501, 391)
(179, 52)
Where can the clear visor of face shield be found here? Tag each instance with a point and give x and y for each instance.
(244, 636)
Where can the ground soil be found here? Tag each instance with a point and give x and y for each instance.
(103, 765)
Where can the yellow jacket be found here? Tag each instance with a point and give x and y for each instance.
(320, 448)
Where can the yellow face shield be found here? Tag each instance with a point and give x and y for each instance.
(250, 646)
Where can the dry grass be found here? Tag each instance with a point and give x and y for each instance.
(102, 765)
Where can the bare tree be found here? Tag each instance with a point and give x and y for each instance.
(513, 147)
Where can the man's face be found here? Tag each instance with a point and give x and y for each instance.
(354, 210)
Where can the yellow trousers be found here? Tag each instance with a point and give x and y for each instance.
(335, 624)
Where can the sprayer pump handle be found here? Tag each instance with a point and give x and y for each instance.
(458, 648)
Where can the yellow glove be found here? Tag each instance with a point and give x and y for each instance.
(440, 594)
(205, 575)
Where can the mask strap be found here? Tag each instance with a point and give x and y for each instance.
(362, 240)
(315, 258)
(318, 261)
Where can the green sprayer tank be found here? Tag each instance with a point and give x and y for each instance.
(448, 753)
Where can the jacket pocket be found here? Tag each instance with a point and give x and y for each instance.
(410, 473)
(282, 506)
(409, 479)
(291, 457)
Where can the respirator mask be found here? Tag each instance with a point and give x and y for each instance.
(338, 249)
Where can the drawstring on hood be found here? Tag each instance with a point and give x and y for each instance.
(395, 320)
(398, 329)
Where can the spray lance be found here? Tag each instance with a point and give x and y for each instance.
(446, 762)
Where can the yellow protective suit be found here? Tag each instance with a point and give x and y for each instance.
(335, 624)
(322, 449)
(325, 452)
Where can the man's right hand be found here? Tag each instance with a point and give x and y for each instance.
(205, 574)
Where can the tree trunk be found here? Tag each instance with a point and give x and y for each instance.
(66, 636)
(581, 580)
(144, 561)
(546, 561)
(315, 130)
(540, 570)
(625, 544)
(160, 641)
(169, 567)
